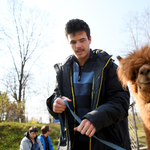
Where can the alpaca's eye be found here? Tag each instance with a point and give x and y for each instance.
(139, 87)
(141, 72)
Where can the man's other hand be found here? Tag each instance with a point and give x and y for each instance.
(86, 127)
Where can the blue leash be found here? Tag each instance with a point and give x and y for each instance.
(103, 141)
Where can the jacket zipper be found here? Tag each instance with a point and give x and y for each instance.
(102, 80)
(66, 130)
(98, 93)
(73, 97)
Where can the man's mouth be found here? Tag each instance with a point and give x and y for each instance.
(79, 51)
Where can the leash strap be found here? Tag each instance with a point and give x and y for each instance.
(102, 141)
(62, 128)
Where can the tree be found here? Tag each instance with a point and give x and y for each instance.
(24, 34)
(4, 102)
(138, 29)
(9, 111)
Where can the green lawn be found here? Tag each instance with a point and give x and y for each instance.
(141, 134)
(11, 133)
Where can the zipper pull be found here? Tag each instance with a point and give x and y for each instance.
(79, 78)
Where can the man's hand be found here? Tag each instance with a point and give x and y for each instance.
(59, 106)
(86, 127)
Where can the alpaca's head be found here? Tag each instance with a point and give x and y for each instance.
(135, 68)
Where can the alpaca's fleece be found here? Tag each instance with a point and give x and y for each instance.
(135, 68)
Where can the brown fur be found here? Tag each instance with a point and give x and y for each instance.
(135, 68)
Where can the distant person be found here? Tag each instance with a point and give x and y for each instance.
(45, 139)
(30, 141)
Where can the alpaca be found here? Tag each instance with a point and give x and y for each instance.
(135, 68)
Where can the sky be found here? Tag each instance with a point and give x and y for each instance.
(106, 19)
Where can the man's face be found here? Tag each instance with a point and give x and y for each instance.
(48, 132)
(80, 45)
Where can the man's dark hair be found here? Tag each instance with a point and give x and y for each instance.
(76, 25)
(33, 129)
(45, 129)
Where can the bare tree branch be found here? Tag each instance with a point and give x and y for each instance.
(138, 28)
(24, 33)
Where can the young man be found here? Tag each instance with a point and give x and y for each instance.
(45, 139)
(30, 141)
(88, 81)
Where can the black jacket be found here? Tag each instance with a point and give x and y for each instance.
(109, 103)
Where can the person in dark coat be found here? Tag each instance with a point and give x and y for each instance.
(88, 81)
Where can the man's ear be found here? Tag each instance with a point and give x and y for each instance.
(90, 39)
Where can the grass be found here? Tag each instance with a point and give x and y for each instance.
(141, 134)
(11, 133)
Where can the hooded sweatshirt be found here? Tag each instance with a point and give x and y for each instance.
(26, 143)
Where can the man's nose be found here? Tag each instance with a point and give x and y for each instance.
(78, 44)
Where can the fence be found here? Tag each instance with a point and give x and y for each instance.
(133, 128)
(132, 118)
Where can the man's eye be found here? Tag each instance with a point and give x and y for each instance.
(73, 42)
(82, 40)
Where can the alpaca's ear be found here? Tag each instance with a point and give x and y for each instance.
(119, 58)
